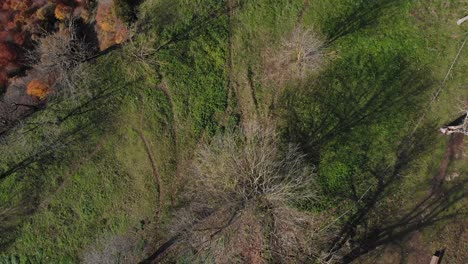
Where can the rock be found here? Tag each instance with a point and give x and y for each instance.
(452, 176)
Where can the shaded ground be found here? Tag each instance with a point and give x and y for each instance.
(454, 151)
(437, 223)
(74, 168)
(452, 239)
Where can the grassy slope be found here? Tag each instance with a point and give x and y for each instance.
(111, 191)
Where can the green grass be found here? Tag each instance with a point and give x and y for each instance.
(351, 118)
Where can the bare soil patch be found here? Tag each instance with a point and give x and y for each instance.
(454, 151)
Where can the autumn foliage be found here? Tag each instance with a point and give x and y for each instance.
(22, 22)
(110, 28)
(63, 12)
(38, 89)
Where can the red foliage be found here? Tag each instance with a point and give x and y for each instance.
(3, 80)
(7, 53)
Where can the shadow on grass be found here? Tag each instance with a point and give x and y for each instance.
(10, 219)
(363, 231)
(344, 99)
(78, 126)
(169, 21)
(362, 15)
(428, 212)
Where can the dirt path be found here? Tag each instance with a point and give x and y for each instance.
(155, 170)
(175, 182)
(239, 83)
(175, 123)
(454, 151)
(303, 10)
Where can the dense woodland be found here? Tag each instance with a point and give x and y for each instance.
(233, 131)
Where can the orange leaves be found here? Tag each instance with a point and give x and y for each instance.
(21, 24)
(110, 29)
(38, 89)
(46, 12)
(63, 12)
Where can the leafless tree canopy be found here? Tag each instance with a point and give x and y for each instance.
(299, 55)
(111, 249)
(241, 197)
(59, 58)
(242, 166)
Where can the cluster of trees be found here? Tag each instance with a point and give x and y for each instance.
(42, 45)
(23, 22)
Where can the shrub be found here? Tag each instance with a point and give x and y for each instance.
(247, 165)
(58, 58)
(112, 249)
(38, 89)
(299, 55)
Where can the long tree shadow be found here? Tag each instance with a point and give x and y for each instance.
(75, 125)
(396, 226)
(362, 15)
(338, 102)
(173, 27)
(425, 214)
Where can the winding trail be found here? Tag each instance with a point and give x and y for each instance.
(303, 11)
(154, 168)
(174, 126)
(239, 83)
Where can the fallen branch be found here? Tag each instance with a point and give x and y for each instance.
(461, 20)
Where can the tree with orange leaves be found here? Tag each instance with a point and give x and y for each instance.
(63, 12)
(38, 89)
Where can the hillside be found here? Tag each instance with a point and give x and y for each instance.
(234, 131)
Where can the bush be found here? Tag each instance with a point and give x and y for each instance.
(299, 55)
(242, 166)
(112, 249)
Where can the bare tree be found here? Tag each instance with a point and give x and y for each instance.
(241, 166)
(242, 197)
(299, 54)
(140, 49)
(58, 59)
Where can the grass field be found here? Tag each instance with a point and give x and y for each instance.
(367, 121)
